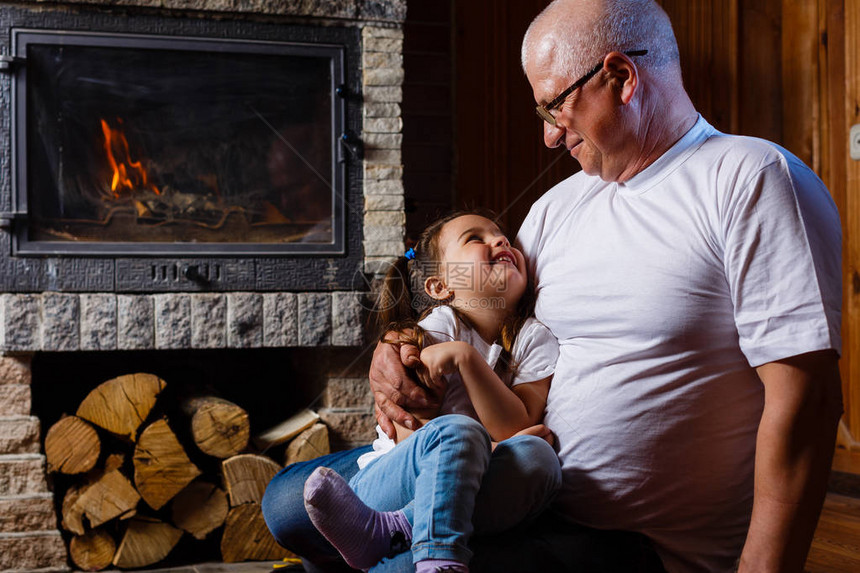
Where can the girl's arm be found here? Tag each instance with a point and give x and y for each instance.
(502, 410)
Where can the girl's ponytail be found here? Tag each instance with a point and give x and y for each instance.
(394, 304)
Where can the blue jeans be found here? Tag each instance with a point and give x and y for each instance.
(495, 491)
(440, 476)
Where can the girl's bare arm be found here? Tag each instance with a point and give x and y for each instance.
(502, 410)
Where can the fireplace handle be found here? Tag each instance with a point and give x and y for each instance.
(9, 63)
(7, 220)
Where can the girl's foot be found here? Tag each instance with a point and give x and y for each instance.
(363, 536)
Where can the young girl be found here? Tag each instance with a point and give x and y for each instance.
(490, 362)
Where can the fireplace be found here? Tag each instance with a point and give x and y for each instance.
(207, 178)
(146, 144)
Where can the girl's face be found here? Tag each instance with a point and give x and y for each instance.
(479, 265)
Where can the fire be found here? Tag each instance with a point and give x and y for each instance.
(127, 174)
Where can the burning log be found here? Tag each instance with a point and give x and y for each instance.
(72, 446)
(92, 551)
(219, 428)
(122, 404)
(200, 509)
(146, 541)
(161, 467)
(246, 537)
(246, 477)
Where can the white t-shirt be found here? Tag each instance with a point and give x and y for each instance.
(664, 292)
(534, 354)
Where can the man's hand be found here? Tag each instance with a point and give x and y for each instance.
(393, 386)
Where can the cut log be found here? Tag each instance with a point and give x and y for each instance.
(310, 444)
(108, 497)
(146, 541)
(92, 551)
(286, 430)
(121, 404)
(218, 427)
(72, 446)
(199, 509)
(246, 537)
(72, 513)
(246, 477)
(161, 467)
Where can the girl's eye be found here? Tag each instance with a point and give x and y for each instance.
(473, 238)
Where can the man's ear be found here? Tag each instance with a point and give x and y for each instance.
(436, 288)
(624, 75)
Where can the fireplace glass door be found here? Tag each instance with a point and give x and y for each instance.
(161, 145)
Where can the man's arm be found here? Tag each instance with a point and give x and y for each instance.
(794, 451)
(394, 389)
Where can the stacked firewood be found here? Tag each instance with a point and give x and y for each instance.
(130, 490)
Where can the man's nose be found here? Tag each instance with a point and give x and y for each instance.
(553, 135)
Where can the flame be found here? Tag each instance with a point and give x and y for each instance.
(127, 174)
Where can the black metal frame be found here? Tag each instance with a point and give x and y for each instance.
(142, 272)
(23, 246)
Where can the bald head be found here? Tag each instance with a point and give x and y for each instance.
(570, 36)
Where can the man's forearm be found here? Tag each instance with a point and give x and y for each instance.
(794, 451)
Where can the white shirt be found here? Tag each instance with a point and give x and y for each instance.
(664, 293)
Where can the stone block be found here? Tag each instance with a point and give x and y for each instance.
(379, 265)
(42, 550)
(383, 45)
(172, 321)
(383, 94)
(351, 425)
(377, 233)
(98, 322)
(383, 248)
(21, 327)
(382, 171)
(19, 435)
(383, 77)
(208, 320)
(383, 32)
(381, 109)
(15, 370)
(383, 125)
(15, 400)
(314, 319)
(384, 219)
(135, 322)
(61, 322)
(385, 10)
(21, 513)
(383, 187)
(384, 203)
(378, 60)
(383, 140)
(22, 474)
(347, 318)
(244, 320)
(280, 319)
(348, 393)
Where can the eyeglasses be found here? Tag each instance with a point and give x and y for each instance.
(545, 111)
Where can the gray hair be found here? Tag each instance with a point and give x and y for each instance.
(580, 41)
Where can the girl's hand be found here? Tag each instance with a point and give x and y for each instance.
(439, 360)
(540, 431)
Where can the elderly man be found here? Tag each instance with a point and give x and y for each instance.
(693, 280)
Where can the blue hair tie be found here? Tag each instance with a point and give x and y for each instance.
(410, 254)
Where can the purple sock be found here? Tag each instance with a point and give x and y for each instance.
(440, 565)
(362, 535)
